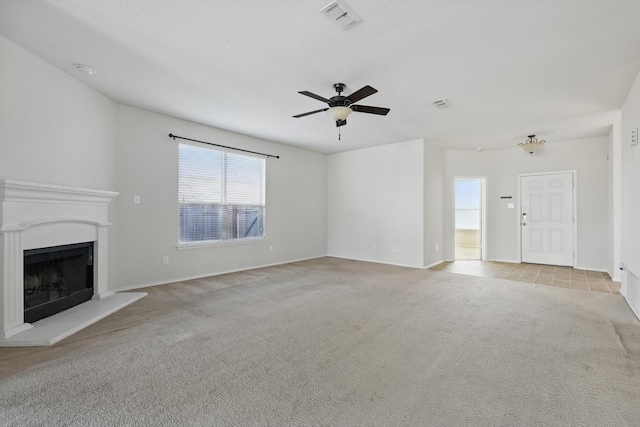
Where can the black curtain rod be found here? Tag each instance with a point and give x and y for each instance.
(223, 146)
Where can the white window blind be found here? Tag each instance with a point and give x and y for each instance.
(221, 195)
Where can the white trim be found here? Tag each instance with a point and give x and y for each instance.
(574, 190)
(15, 330)
(433, 264)
(213, 243)
(375, 262)
(60, 220)
(200, 276)
(483, 216)
(510, 261)
(22, 191)
(483, 213)
(592, 269)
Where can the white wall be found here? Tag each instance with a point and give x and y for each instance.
(375, 196)
(433, 201)
(501, 167)
(631, 184)
(296, 198)
(53, 128)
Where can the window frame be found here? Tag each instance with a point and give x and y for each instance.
(224, 204)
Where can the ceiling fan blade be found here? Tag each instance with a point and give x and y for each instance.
(360, 94)
(341, 122)
(310, 112)
(370, 110)
(314, 96)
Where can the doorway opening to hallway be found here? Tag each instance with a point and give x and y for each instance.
(469, 218)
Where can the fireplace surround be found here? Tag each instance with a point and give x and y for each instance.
(36, 216)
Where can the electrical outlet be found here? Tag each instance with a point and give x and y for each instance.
(136, 199)
(165, 260)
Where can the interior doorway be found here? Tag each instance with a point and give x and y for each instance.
(469, 218)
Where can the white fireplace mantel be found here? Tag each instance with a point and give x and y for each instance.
(36, 215)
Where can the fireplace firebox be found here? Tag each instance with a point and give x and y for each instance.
(56, 279)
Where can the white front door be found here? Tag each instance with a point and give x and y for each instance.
(547, 219)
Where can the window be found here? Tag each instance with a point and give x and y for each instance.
(221, 195)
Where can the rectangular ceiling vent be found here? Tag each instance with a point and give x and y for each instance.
(441, 103)
(341, 14)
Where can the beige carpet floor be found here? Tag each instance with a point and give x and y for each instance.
(341, 343)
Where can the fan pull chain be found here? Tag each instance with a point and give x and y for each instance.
(339, 134)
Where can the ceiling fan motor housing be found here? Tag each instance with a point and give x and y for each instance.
(339, 100)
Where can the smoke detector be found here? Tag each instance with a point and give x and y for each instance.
(341, 14)
(441, 103)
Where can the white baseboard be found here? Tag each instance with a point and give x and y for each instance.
(433, 264)
(510, 261)
(591, 269)
(200, 276)
(373, 261)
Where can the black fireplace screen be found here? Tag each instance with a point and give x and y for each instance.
(56, 279)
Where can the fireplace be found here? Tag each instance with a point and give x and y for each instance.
(35, 216)
(56, 279)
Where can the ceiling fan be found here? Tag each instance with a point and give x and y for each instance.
(341, 106)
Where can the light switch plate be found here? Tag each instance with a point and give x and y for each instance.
(511, 205)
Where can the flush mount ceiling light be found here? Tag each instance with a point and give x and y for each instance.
(531, 144)
(85, 69)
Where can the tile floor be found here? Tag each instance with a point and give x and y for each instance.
(565, 277)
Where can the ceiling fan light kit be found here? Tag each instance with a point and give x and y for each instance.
(339, 113)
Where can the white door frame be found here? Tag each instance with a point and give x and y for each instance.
(483, 213)
(574, 191)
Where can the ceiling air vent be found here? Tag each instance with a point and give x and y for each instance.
(341, 14)
(441, 103)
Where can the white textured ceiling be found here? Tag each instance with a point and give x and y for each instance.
(509, 68)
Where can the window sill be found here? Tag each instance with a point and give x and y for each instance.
(213, 243)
